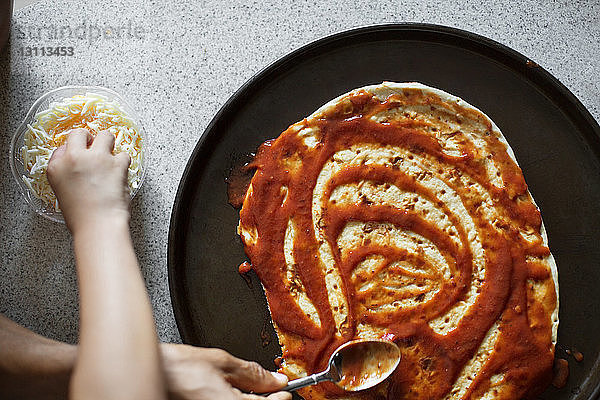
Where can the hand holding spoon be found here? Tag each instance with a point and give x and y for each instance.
(355, 365)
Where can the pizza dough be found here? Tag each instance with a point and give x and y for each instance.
(398, 211)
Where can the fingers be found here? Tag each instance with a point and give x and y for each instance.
(58, 153)
(123, 159)
(274, 396)
(250, 376)
(104, 141)
(82, 138)
(280, 396)
(79, 139)
(51, 170)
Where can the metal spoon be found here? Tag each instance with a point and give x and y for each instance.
(375, 360)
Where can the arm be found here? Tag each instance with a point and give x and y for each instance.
(118, 353)
(118, 356)
(36, 368)
(32, 366)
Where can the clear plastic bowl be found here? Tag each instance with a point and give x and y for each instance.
(43, 103)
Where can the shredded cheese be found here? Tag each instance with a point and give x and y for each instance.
(50, 129)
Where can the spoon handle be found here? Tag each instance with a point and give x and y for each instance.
(307, 381)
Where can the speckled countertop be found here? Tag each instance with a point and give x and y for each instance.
(178, 62)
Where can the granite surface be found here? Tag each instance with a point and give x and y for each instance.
(178, 62)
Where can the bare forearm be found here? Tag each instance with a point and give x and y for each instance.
(118, 348)
(31, 366)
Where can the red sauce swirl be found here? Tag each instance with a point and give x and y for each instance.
(432, 362)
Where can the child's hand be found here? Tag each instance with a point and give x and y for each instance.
(195, 373)
(89, 182)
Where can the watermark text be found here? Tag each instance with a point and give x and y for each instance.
(83, 31)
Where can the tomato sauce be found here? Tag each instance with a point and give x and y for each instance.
(523, 353)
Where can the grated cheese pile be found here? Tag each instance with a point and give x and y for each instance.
(50, 130)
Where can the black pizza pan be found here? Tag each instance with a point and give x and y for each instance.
(555, 139)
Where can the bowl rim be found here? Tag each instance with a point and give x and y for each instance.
(57, 216)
